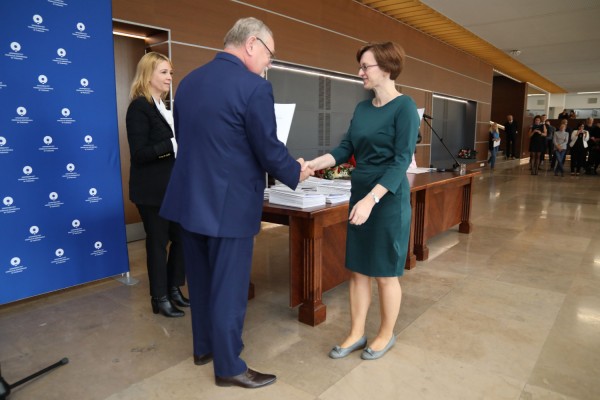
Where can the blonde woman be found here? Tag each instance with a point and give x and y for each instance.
(153, 148)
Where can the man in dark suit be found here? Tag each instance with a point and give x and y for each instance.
(510, 130)
(225, 122)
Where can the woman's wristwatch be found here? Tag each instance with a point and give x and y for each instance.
(375, 198)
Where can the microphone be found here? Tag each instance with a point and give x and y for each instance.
(427, 116)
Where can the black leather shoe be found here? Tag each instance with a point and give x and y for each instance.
(201, 360)
(177, 297)
(163, 305)
(250, 380)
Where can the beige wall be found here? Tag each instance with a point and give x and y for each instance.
(324, 35)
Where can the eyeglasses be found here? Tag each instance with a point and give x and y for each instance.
(271, 55)
(366, 67)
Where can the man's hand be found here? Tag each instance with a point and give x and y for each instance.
(305, 170)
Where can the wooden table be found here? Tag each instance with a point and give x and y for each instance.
(317, 238)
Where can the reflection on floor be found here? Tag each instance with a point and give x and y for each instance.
(511, 311)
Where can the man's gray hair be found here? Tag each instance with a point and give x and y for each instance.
(243, 29)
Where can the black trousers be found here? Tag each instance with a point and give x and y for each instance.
(510, 145)
(165, 266)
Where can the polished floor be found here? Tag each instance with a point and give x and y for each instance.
(511, 311)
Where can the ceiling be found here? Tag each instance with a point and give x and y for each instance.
(558, 40)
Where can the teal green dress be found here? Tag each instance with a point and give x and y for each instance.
(383, 141)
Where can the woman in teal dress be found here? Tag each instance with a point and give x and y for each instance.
(382, 137)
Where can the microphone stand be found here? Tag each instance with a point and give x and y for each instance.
(457, 167)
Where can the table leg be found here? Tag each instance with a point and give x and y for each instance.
(421, 250)
(465, 218)
(306, 289)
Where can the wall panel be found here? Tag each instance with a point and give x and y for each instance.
(319, 34)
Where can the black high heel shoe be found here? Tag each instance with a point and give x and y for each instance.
(177, 297)
(163, 305)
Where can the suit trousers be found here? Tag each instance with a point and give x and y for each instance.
(165, 269)
(218, 276)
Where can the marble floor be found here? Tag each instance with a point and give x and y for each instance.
(511, 311)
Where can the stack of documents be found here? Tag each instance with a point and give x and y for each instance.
(310, 191)
(298, 198)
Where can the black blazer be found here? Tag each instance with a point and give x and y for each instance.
(151, 149)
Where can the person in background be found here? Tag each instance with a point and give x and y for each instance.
(593, 151)
(493, 144)
(225, 122)
(153, 148)
(564, 114)
(561, 138)
(537, 141)
(382, 136)
(579, 144)
(510, 130)
(549, 141)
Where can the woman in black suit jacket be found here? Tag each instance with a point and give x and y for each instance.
(153, 149)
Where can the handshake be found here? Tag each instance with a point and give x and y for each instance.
(307, 169)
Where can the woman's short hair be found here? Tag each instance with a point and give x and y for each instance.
(538, 117)
(388, 55)
(243, 29)
(143, 74)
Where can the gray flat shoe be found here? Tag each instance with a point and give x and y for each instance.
(341, 352)
(369, 354)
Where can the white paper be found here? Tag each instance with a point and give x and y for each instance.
(421, 111)
(419, 170)
(283, 116)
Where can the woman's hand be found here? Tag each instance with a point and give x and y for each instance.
(361, 211)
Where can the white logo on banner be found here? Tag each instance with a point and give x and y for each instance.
(71, 174)
(84, 89)
(16, 266)
(65, 119)
(88, 146)
(77, 229)
(62, 57)
(54, 202)
(99, 250)
(94, 198)
(4, 149)
(60, 257)
(8, 208)
(38, 27)
(48, 147)
(21, 117)
(35, 234)
(28, 177)
(2, 85)
(80, 32)
(15, 52)
(42, 86)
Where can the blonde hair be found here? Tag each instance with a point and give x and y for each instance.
(141, 82)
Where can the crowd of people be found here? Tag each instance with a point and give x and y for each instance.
(551, 143)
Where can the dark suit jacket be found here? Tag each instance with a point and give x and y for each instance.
(227, 136)
(151, 150)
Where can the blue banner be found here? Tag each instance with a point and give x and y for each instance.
(61, 210)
